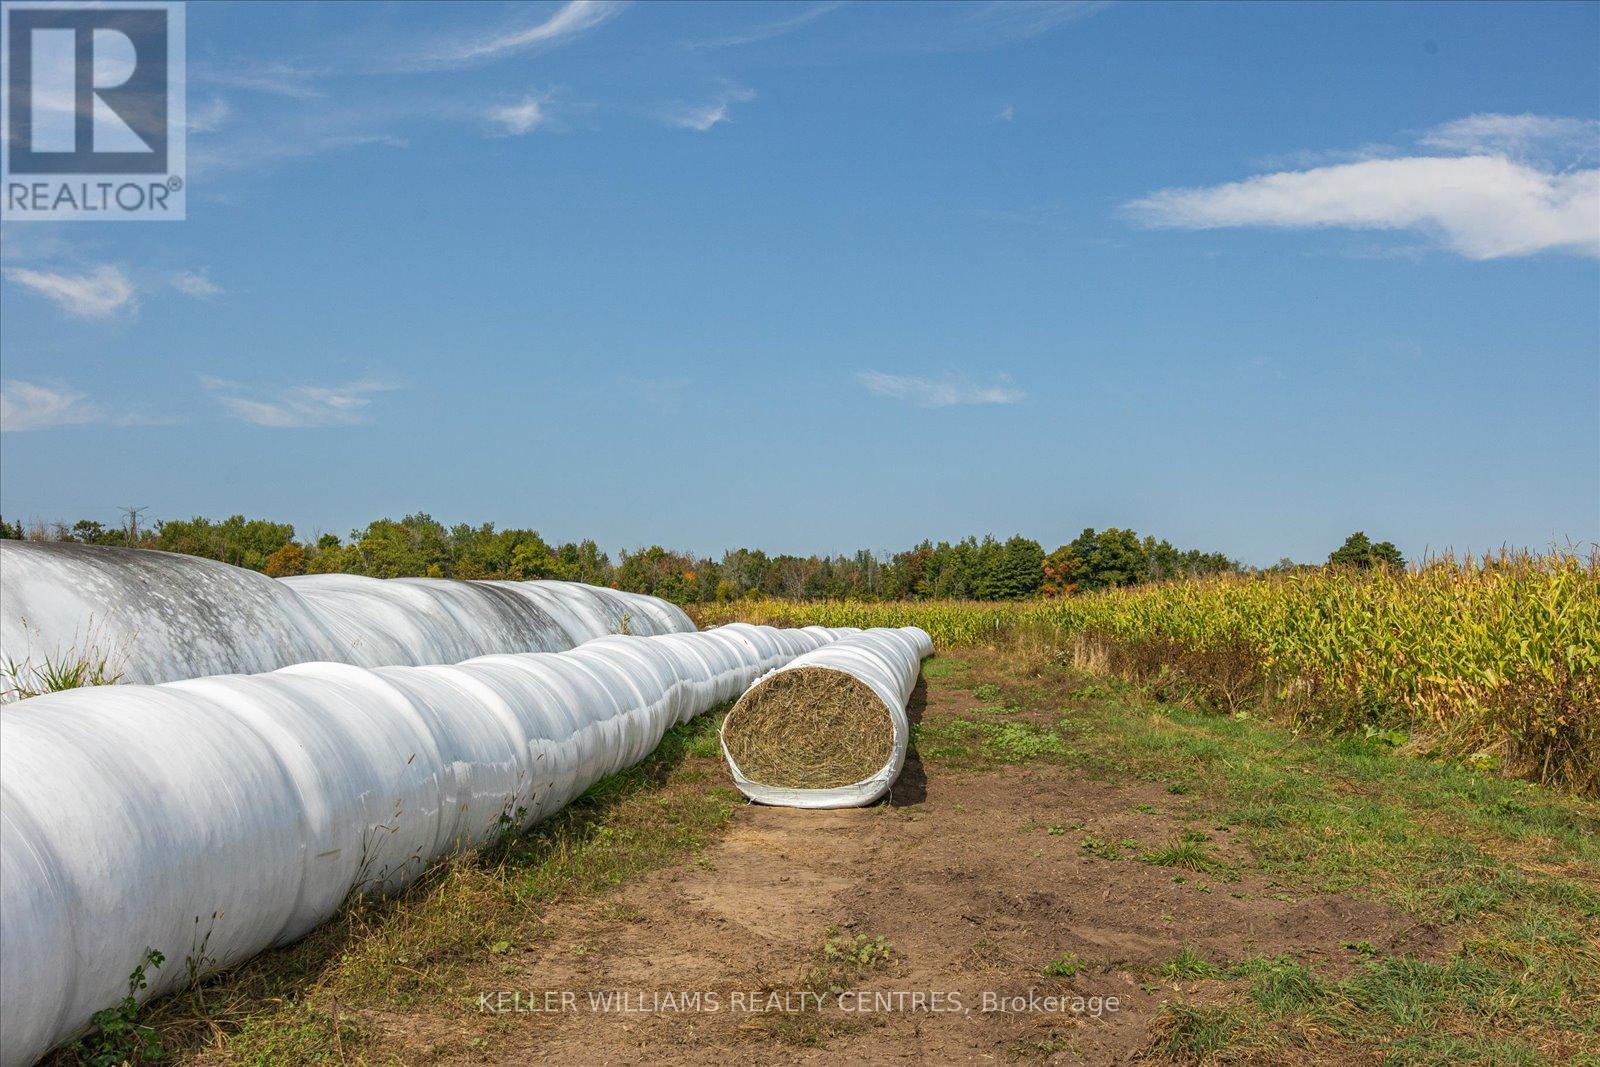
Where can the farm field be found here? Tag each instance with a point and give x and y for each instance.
(1243, 892)
(1495, 660)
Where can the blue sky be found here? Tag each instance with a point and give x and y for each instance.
(821, 276)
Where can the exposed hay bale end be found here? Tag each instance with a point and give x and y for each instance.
(809, 728)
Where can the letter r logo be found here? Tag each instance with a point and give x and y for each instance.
(87, 90)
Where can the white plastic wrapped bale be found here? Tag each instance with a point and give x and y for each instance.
(158, 616)
(412, 621)
(806, 731)
(149, 616)
(210, 819)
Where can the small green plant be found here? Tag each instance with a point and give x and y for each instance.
(1065, 967)
(1386, 738)
(115, 1034)
(1186, 854)
(987, 691)
(1188, 966)
(845, 957)
(1108, 850)
(24, 680)
(860, 951)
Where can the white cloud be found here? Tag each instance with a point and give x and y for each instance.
(299, 406)
(944, 392)
(704, 116)
(210, 116)
(1007, 113)
(26, 406)
(572, 19)
(518, 119)
(1518, 136)
(194, 283)
(98, 293)
(1482, 207)
(1492, 186)
(771, 29)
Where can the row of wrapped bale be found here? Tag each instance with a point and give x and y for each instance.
(212, 818)
(134, 615)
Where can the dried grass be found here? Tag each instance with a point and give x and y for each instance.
(809, 728)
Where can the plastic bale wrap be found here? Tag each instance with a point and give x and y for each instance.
(212, 818)
(145, 617)
(882, 666)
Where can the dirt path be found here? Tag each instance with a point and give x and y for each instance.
(978, 880)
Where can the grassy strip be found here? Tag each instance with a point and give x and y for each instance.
(1510, 870)
(307, 1003)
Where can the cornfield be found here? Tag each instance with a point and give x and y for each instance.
(1494, 659)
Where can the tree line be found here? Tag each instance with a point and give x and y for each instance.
(421, 546)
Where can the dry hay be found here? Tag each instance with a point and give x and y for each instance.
(809, 728)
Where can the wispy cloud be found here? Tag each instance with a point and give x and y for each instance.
(27, 406)
(767, 31)
(264, 147)
(520, 118)
(1003, 22)
(210, 116)
(1519, 137)
(273, 79)
(939, 393)
(701, 117)
(570, 20)
(194, 283)
(1007, 113)
(32, 406)
(299, 406)
(1482, 205)
(96, 294)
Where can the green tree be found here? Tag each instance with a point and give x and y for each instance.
(1110, 558)
(407, 548)
(1359, 552)
(236, 540)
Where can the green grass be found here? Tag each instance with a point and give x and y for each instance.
(1508, 869)
(976, 744)
(1188, 855)
(1188, 966)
